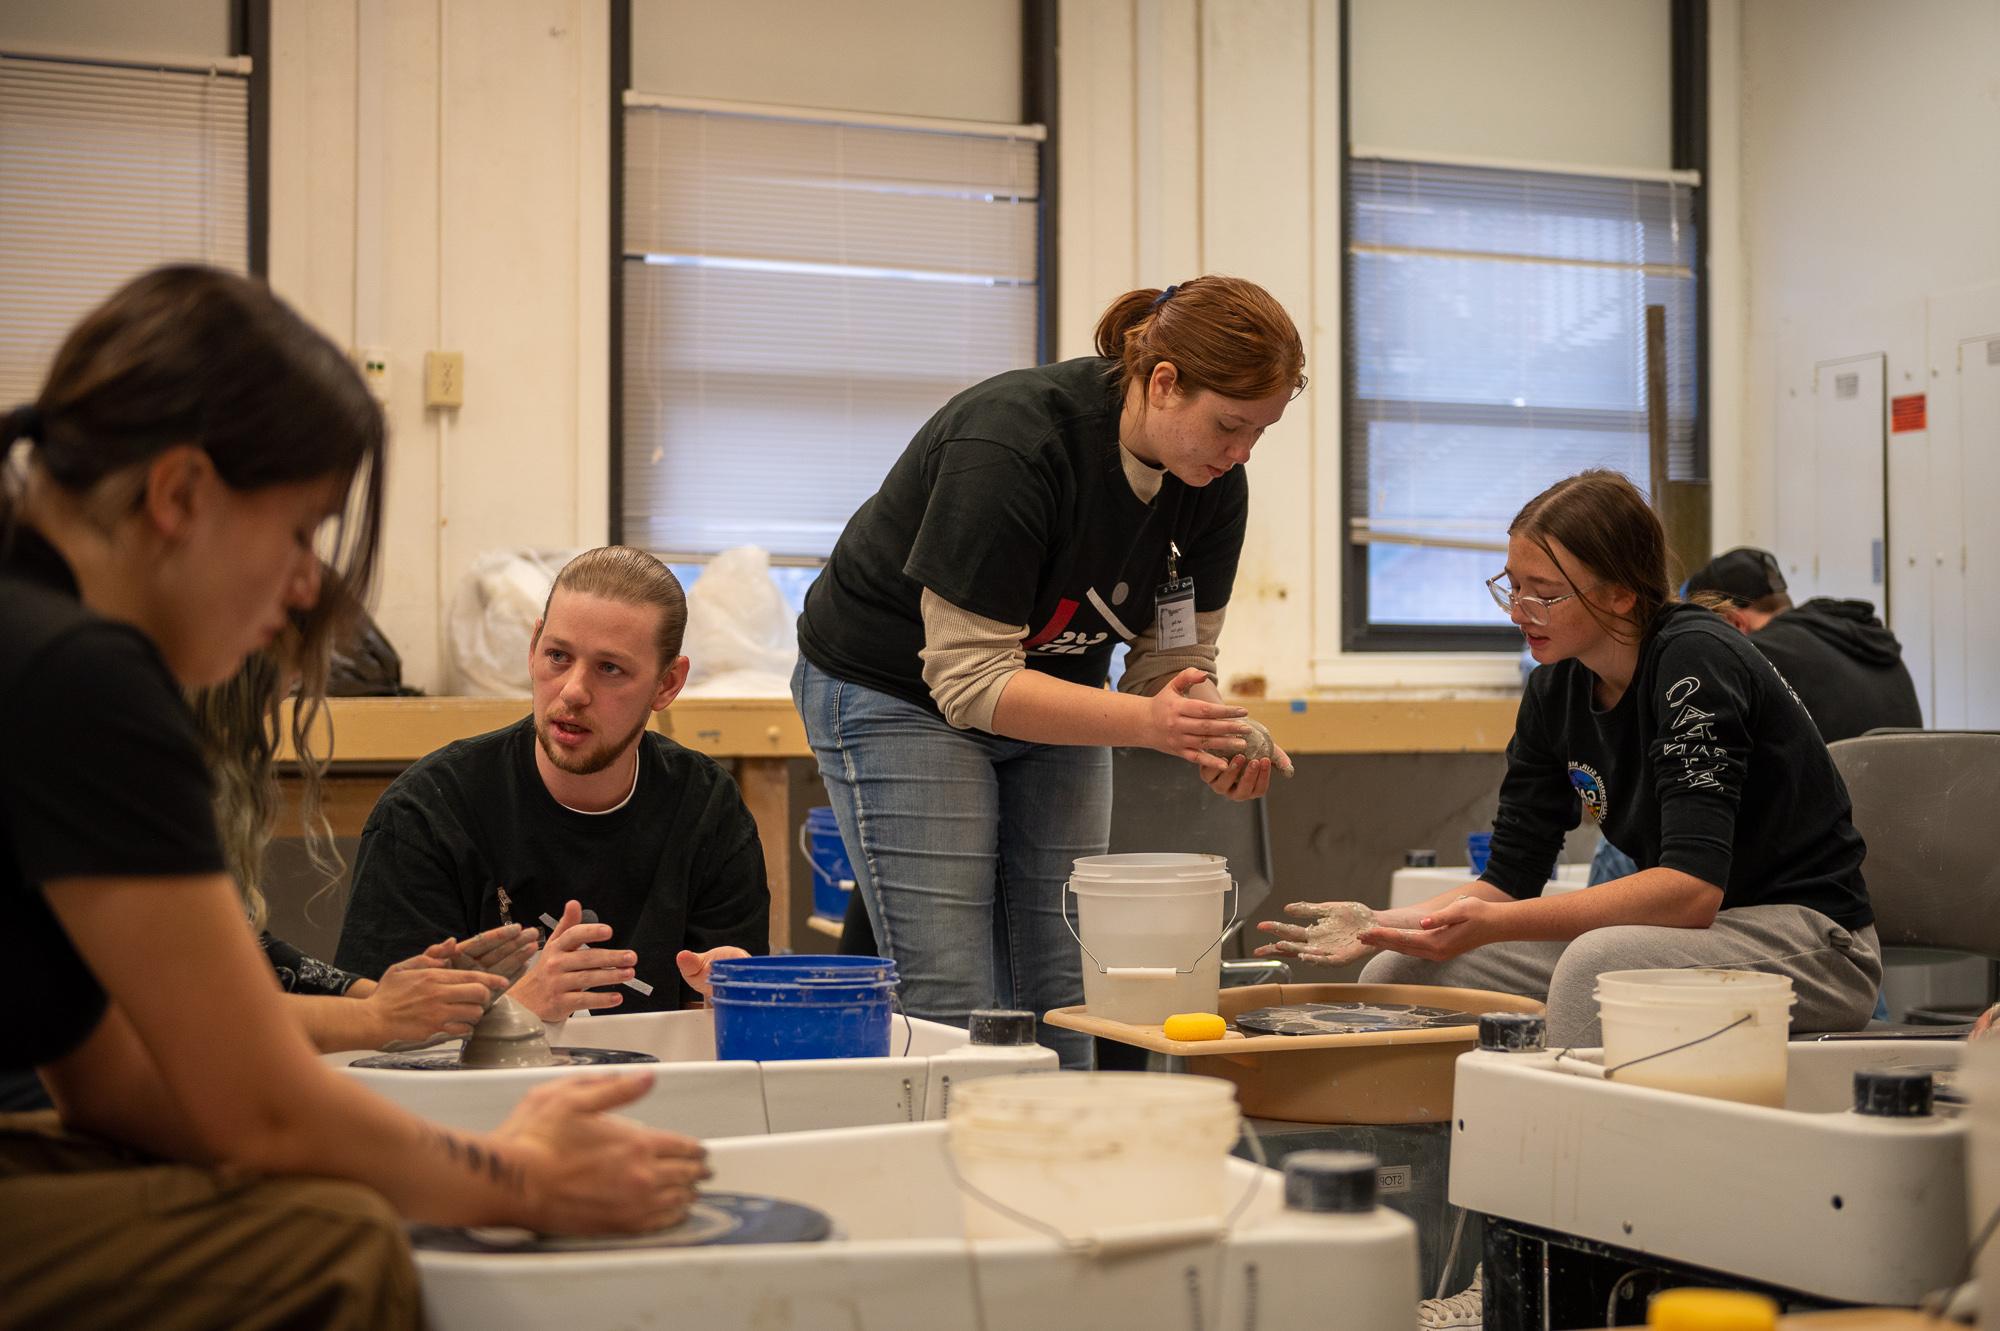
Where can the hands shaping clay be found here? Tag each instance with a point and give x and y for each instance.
(1257, 743)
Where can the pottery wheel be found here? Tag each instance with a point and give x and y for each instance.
(717, 1219)
(1347, 1019)
(447, 1060)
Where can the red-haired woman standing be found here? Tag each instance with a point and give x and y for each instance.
(954, 653)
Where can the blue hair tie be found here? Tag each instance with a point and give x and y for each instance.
(1166, 295)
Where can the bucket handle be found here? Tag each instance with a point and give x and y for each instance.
(1151, 972)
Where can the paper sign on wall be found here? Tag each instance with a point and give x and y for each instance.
(1906, 414)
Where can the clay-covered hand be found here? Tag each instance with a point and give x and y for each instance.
(1449, 931)
(695, 965)
(589, 1171)
(571, 968)
(1191, 728)
(424, 1000)
(1987, 1019)
(1331, 934)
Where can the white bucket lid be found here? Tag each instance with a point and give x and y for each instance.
(1149, 874)
(1696, 987)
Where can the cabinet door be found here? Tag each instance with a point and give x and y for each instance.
(1963, 538)
(1847, 480)
(1979, 454)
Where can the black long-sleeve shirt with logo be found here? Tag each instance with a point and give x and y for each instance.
(1708, 764)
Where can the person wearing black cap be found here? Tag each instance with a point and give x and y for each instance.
(1845, 665)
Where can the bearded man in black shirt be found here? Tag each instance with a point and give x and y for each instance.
(576, 807)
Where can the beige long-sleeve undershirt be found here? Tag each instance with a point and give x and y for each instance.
(968, 658)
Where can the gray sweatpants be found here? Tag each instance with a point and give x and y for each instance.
(1835, 972)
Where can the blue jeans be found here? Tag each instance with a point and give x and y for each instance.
(960, 843)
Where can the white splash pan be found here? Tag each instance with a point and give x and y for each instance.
(902, 1262)
(695, 1093)
(1811, 1197)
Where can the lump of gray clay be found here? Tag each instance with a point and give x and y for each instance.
(1257, 743)
(508, 1036)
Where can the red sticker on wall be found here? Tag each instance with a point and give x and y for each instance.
(1906, 413)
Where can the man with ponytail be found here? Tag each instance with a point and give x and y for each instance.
(1662, 724)
(954, 653)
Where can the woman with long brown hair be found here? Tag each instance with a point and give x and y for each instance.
(1684, 744)
(194, 447)
(953, 654)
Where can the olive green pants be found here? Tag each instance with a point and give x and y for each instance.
(98, 1235)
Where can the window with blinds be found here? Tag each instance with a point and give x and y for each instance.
(106, 171)
(799, 297)
(1496, 340)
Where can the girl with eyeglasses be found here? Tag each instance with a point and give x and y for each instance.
(1661, 723)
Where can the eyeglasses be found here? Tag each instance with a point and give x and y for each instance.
(1534, 609)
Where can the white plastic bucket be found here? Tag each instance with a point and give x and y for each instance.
(1080, 1153)
(1979, 1079)
(1149, 927)
(1734, 1024)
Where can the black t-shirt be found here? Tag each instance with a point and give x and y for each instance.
(1848, 668)
(679, 866)
(104, 778)
(1012, 503)
(1708, 764)
(301, 974)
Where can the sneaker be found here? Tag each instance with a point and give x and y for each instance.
(1463, 1311)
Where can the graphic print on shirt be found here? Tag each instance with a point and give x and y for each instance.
(1056, 638)
(1693, 738)
(1590, 789)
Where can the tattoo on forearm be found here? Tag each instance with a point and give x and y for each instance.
(482, 1160)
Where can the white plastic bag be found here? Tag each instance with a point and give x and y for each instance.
(493, 616)
(740, 636)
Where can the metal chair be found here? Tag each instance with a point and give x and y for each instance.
(1924, 801)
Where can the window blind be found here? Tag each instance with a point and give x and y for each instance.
(107, 171)
(799, 297)
(1497, 340)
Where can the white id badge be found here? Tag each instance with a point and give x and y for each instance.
(1173, 614)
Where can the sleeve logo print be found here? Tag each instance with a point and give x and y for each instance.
(1590, 789)
(1692, 738)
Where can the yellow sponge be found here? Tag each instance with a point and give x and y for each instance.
(1710, 1310)
(1194, 1026)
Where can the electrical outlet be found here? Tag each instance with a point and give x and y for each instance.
(444, 378)
(374, 365)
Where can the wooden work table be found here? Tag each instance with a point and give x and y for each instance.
(374, 738)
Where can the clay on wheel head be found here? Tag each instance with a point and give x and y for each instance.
(508, 1036)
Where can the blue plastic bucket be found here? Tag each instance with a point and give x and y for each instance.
(1478, 847)
(833, 876)
(773, 1008)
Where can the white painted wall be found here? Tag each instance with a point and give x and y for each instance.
(439, 181)
(1870, 199)
(960, 59)
(1871, 174)
(1581, 82)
